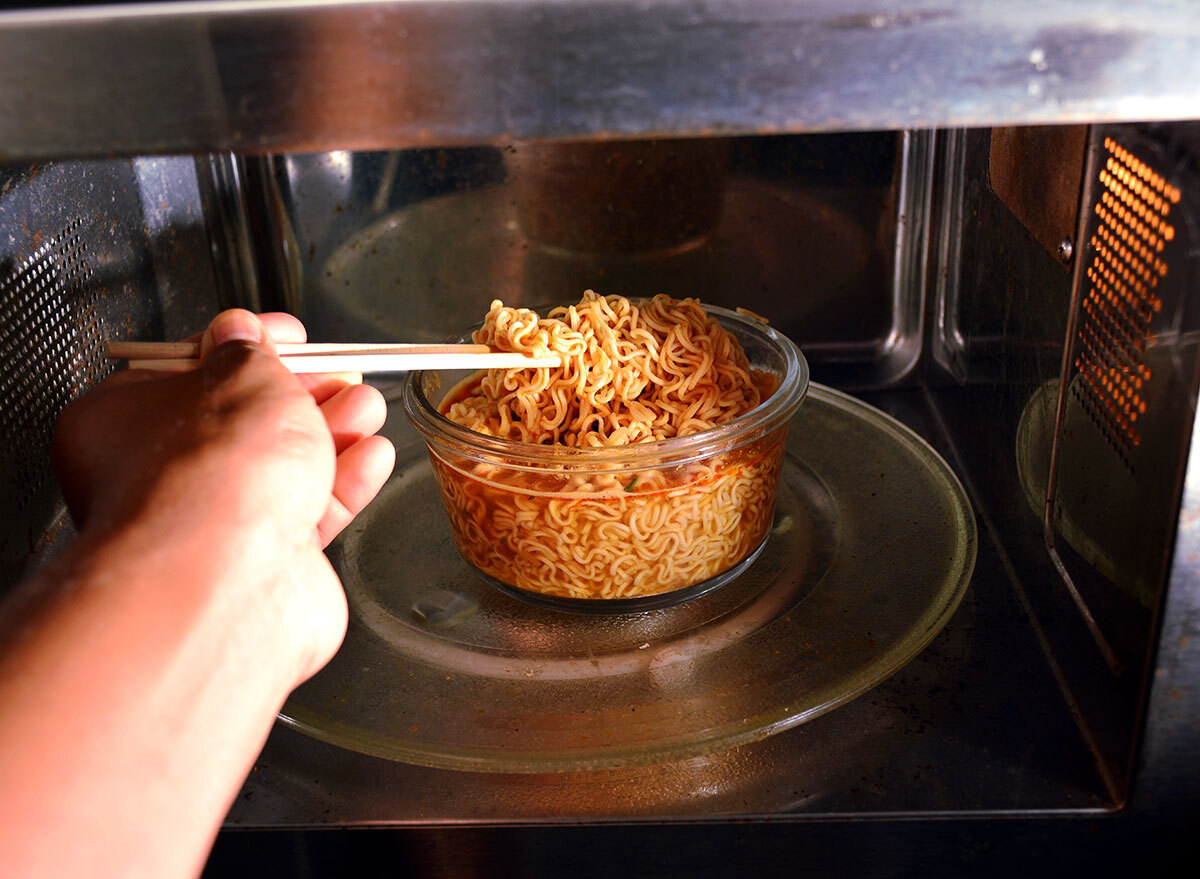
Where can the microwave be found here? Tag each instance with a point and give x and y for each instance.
(979, 225)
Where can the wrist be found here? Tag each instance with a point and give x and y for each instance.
(193, 588)
(167, 657)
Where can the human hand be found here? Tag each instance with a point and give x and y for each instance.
(141, 669)
(237, 471)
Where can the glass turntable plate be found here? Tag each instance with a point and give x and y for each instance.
(872, 547)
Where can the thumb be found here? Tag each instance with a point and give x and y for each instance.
(235, 325)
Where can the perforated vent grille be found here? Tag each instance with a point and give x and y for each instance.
(1128, 260)
(50, 350)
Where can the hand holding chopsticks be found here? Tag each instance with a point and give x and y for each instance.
(334, 357)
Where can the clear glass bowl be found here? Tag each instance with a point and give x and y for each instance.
(621, 528)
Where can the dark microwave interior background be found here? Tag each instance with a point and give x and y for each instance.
(920, 270)
(794, 226)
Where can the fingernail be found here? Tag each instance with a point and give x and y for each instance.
(236, 326)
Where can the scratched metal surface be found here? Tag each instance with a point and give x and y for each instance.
(163, 77)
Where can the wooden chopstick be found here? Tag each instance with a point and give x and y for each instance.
(334, 357)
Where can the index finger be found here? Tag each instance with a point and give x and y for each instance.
(284, 327)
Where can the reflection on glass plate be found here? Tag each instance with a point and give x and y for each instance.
(872, 548)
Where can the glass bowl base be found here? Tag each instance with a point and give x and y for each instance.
(635, 604)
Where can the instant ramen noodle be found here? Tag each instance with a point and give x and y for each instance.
(635, 467)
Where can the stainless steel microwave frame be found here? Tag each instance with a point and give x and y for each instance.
(990, 183)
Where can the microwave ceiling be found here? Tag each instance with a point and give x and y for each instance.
(307, 76)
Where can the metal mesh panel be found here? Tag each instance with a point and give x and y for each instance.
(88, 251)
(1127, 412)
(50, 348)
(1131, 232)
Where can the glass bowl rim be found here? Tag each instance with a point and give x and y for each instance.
(775, 410)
